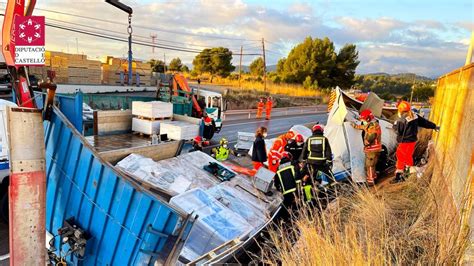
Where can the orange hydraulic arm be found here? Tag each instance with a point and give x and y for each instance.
(179, 81)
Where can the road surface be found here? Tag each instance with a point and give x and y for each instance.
(276, 126)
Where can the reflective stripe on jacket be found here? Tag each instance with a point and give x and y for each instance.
(317, 148)
(373, 137)
(286, 176)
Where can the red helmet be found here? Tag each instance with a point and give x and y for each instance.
(318, 128)
(299, 138)
(404, 106)
(198, 139)
(366, 115)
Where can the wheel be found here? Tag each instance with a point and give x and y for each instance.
(4, 208)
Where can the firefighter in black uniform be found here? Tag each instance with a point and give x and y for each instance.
(285, 182)
(317, 154)
(295, 148)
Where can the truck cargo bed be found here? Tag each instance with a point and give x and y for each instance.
(128, 224)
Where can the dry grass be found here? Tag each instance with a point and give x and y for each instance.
(413, 223)
(249, 83)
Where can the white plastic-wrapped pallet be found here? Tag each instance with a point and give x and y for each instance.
(152, 110)
(216, 224)
(179, 130)
(146, 126)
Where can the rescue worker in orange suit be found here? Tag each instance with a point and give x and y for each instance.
(278, 150)
(260, 106)
(268, 107)
(317, 153)
(406, 127)
(209, 128)
(372, 143)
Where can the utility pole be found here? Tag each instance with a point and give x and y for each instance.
(470, 49)
(77, 46)
(153, 37)
(164, 60)
(264, 67)
(240, 66)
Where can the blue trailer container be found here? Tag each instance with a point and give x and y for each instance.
(127, 224)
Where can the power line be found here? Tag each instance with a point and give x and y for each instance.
(135, 35)
(145, 27)
(118, 38)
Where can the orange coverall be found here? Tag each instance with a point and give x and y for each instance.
(269, 106)
(260, 106)
(278, 150)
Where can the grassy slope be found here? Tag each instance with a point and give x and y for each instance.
(407, 224)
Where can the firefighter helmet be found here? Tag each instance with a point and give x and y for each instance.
(223, 141)
(318, 128)
(403, 106)
(299, 138)
(366, 115)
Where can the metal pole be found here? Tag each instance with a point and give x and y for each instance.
(264, 67)
(469, 51)
(130, 58)
(240, 66)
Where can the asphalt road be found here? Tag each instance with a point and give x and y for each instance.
(275, 126)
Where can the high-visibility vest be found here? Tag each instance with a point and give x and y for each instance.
(308, 193)
(222, 154)
(286, 175)
(312, 141)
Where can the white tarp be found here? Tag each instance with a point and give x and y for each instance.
(346, 142)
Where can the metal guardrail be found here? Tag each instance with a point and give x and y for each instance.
(251, 113)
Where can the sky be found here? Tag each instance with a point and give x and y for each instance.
(428, 38)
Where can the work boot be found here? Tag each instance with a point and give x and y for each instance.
(370, 177)
(398, 178)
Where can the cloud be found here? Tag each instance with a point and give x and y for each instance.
(428, 47)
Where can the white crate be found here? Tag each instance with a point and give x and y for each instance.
(154, 109)
(264, 179)
(146, 126)
(179, 130)
(245, 140)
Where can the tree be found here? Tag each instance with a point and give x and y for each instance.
(343, 73)
(314, 58)
(185, 69)
(175, 64)
(257, 67)
(216, 61)
(315, 61)
(157, 65)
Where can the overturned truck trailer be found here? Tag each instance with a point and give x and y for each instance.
(347, 143)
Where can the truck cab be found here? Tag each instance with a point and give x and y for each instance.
(213, 105)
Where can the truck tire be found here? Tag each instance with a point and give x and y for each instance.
(4, 208)
(4, 199)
